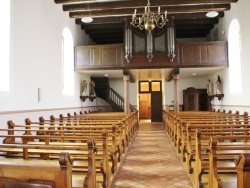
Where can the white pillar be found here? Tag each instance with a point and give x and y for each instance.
(126, 93)
(176, 93)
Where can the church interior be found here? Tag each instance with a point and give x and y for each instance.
(123, 93)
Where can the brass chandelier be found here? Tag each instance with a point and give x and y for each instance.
(149, 19)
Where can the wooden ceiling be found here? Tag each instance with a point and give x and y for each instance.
(108, 16)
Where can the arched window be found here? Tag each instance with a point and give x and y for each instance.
(5, 45)
(234, 47)
(68, 62)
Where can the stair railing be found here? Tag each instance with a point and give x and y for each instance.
(117, 99)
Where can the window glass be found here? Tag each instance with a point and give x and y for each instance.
(234, 48)
(68, 62)
(144, 86)
(156, 86)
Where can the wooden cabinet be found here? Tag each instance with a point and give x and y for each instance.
(195, 99)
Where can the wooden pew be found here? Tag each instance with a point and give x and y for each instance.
(129, 120)
(180, 130)
(179, 135)
(243, 170)
(123, 136)
(50, 173)
(202, 150)
(193, 138)
(48, 150)
(115, 139)
(223, 150)
(74, 129)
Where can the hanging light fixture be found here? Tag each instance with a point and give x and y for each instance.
(87, 19)
(149, 19)
(212, 13)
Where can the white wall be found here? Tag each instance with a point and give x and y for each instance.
(240, 101)
(36, 46)
(118, 86)
(184, 83)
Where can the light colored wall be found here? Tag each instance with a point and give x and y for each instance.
(36, 46)
(168, 88)
(118, 86)
(36, 63)
(184, 83)
(239, 101)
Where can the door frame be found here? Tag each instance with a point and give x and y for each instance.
(150, 87)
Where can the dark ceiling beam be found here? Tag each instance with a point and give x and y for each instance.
(187, 35)
(103, 31)
(109, 41)
(119, 19)
(133, 3)
(191, 27)
(102, 26)
(108, 35)
(178, 23)
(192, 33)
(197, 21)
(171, 74)
(77, 1)
(171, 10)
(187, 16)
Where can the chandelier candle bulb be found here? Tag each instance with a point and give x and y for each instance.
(145, 9)
(166, 14)
(159, 10)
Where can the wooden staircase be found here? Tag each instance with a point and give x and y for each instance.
(103, 91)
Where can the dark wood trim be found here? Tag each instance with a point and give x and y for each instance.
(82, 5)
(171, 73)
(172, 9)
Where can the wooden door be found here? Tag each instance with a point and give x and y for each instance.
(145, 106)
(156, 107)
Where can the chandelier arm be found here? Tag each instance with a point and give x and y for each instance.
(149, 19)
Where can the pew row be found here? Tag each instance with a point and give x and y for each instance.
(228, 166)
(181, 129)
(83, 152)
(49, 174)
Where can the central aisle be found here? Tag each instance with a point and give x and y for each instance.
(151, 162)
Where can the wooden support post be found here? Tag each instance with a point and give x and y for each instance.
(126, 93)
(176, 93)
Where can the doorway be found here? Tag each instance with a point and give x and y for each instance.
(145, 106)
(150, 101)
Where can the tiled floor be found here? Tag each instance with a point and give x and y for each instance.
(151, 162)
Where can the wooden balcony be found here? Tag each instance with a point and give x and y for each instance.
(188, 54)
